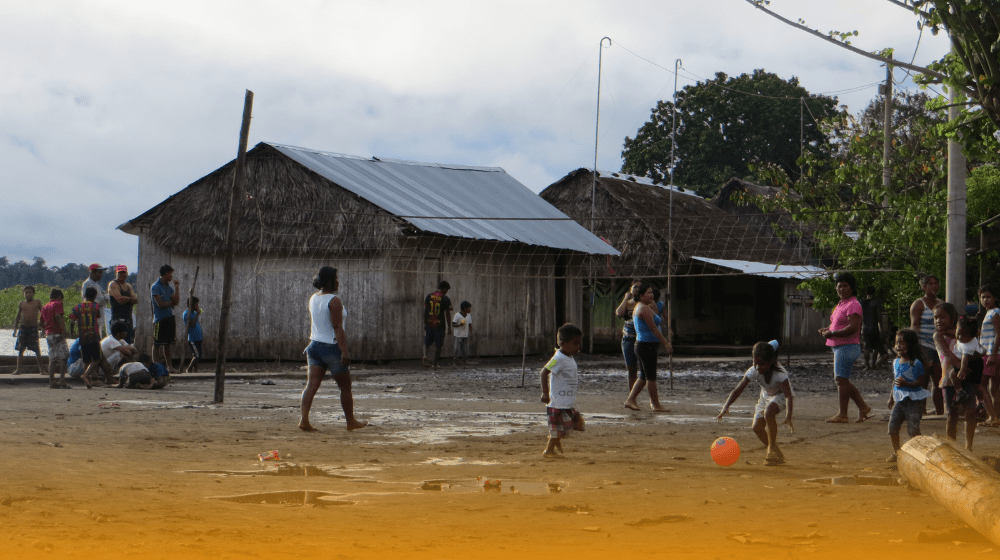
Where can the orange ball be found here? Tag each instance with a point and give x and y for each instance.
(725, 451)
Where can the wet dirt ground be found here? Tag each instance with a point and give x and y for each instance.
(111, 473)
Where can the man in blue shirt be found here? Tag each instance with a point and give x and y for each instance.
(164, 298)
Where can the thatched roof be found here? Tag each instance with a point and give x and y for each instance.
(300, 201)
(632, 214)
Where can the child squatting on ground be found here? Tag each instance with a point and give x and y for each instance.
(560, 395)
(775, 395)
(908, 397)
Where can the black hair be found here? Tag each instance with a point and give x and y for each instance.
(144, 358)
(326, 278)
(870, 290)
(642, 288)
(465, 305)
(194, 300)
(568, 332)
(119, 328)
(769, 354)
(913, 349)
(90, 293)
(849, 279)
(925, 279)
(444, 285)
(56, 293)
(656, 294)
(28, 287)
(165, 269)
(988, 288)
(969, 324)
(948, 308)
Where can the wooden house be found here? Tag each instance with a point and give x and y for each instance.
(392, 228)
(734, 281)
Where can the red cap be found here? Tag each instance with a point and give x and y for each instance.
(96, 266)
(121, 268)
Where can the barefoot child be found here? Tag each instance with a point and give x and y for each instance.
(775, 395)
(990, 388)
(964, 379)
(461, 326)
(191, 318)
(87, 314)
(908, 397)
(560, 395)
(55, 337)
(26, 327)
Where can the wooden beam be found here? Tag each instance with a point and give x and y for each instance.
(227, 277)
(956, 479)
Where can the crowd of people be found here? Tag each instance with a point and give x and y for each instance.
(110, 357)
(947, 358)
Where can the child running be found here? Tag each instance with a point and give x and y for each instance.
(26, 328)
(908, 397)
(194, 335)
(560, 395)
(775, 394)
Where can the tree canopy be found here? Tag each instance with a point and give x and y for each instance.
(726, 124)
(37, 273)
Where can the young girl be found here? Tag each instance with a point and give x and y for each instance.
(988, 338)
(775, 395)
(908, 396)
(960, 385)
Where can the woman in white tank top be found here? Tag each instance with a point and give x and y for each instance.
(327, 348)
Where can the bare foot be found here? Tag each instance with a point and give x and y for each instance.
(631, 406)
(357, 425)
(307, 427)
(836, 419)
(659, 409)
(551, 455)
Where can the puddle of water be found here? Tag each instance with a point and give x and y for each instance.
(455, 461)
(292, 469)
(487, 485)
(856, 481)
(291, 498)
(683, 419)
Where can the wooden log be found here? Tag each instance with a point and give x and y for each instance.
(956, 479)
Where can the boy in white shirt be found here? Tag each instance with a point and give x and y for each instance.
(462, 327)
(560, 395)
(116, 350)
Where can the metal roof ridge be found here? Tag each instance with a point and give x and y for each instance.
(378, 159)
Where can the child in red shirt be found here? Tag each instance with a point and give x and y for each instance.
(55, 329)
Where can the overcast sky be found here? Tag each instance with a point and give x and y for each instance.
(108, 107)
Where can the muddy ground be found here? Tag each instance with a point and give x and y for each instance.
(111, 473)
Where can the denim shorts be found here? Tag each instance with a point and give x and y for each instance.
(628, 352)
(326, 356)
(910, 411)
(844, 357)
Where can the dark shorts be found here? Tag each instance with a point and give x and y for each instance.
(628, 352)
(90, 352)
(956, 402)
(165, 331)
(932, 356)
(646, 354)
(27, 339)
(562, 420)
(326, 356)
(873, 341)
(909, 410)
(195, 348)
(433, 335)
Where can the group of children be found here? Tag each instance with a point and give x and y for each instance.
(110, 360)
(967, 348)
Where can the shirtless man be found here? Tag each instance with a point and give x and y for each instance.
(122, 298)
(27, 335)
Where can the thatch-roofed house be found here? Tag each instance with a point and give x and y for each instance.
(733, 278)
(737, 198)
(393, 228)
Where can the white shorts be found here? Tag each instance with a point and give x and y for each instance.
(765, 401)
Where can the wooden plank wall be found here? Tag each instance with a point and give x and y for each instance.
(270, 318)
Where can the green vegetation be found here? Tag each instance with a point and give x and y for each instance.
(10, 297)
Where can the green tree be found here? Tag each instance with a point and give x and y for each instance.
(725, 124)
(892, 235)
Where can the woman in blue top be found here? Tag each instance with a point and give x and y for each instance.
(327, 348)
(648, 340)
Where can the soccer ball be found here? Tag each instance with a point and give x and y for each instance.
(725, 451)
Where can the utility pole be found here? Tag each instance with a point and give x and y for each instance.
(886, 91)
(955, 261)
(227, 278)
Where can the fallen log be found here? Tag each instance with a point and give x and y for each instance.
(956, 479)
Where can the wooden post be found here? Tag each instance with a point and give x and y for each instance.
(956, 479)
(227, 276)
(524, 348)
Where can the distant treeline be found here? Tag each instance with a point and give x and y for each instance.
(37, 273)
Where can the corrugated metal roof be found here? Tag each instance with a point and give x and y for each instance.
(492, 204)
(801, 272)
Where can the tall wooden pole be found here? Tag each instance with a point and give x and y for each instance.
(227, 277)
